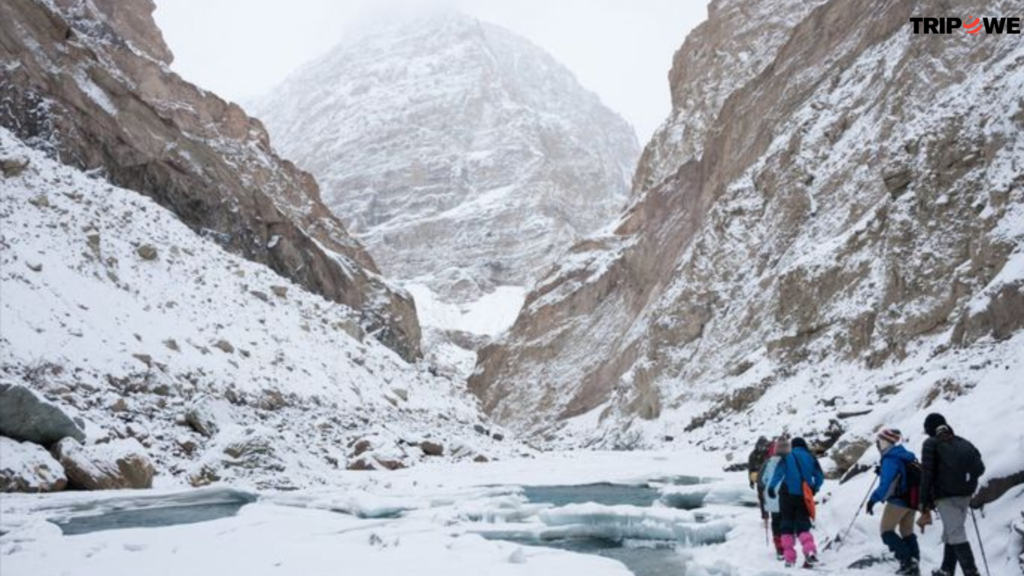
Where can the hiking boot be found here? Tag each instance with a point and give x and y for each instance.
(948, 566)
(965, 557)
(811, 561)
(780, 556)
(790, 564)
(909, 568)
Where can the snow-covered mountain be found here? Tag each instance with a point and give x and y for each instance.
(831, 222)
(175, 289)
(88, 81)
(462, 155)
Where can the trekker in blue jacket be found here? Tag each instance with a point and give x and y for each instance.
(798, 467)
(899, 512)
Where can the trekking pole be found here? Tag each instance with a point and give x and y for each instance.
(981, 545)
(842, 539)
(766, 540)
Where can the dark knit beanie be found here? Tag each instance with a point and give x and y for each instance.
(799, 443)
(932, 423)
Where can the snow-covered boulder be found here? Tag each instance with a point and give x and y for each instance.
(117, 464)
(26, 416)
(27, 467)
(244, 448)
(208, 415)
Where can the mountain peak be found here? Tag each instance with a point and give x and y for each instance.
(465, 156)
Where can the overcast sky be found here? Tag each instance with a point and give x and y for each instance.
(621, 49)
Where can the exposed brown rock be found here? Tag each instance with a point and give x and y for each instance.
(361, 447)
(994, 488)
(12, 167)
(846, 453)
(224, 346)
(147, 252)
(431, 448)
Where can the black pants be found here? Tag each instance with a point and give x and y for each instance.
(795, 518)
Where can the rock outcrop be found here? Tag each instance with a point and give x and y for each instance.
(764, 238)
(27, 417)
(464, 156)
(89, 83)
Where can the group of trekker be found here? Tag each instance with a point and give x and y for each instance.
(787, 476)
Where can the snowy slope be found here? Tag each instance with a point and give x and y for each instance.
(90, 83)
(463, 156)
(118, 312)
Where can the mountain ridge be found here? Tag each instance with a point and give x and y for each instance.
(417, 125)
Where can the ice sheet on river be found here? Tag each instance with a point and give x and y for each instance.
(613, 523)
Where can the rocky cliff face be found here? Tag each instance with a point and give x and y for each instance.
(736, 43)
(87, 81)
(847, 213)
(462, 155)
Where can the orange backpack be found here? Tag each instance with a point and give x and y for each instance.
(808, 492)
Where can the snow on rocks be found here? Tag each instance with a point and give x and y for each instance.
(116, 464)
(237, 449)
(27, 467)
(208, 415)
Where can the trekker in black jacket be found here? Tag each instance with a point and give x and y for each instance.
(950, 468)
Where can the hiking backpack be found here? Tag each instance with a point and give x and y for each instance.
(910, 484)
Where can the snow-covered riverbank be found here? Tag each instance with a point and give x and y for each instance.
(432, 520)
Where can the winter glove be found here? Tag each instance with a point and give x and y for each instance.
(878, 469)
(772, 493)
(870, 508)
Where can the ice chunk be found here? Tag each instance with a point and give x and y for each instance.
(355, 502)
(684, 497)
(509, 508)
(619, 523)
(736, 494)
